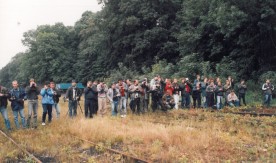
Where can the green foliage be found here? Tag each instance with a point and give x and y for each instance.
(173, 38)
(271, 75)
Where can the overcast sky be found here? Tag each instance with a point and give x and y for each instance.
(19, 16)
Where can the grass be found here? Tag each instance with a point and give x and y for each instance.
(185, 136)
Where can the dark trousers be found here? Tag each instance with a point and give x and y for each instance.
(185, 100)
(47, 109)
(242, 97)
(197, 99)
(156, 102)
(94, 106)
(88, 108)
(73, 108)
(210, 99)
(136, 105)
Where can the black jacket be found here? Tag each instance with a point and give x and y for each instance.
(69, 93)
(57, 95)
(90, 93)
(4, 98)
(32, 93)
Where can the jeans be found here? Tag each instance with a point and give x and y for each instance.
(210, 99)
(219, 102)
(73, 108)
(114, 108)
(88, 108)
(234, 103)
(56, 106)
(267, 100)
(136, 105)
(176, 100)
(15, 115)
(4, 113)
(156, 103)
(204, 101)
(242, 98)
(185, 100)
(47, 108)
(122, 104)
(32, 109)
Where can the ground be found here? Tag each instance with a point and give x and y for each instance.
(176, 136)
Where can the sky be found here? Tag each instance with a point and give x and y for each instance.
(19, 16)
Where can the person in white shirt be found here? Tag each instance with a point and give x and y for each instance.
(232, 99)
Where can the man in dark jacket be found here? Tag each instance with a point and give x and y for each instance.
(17, 103)
(32, 92)
(185, 87)
(242, 89)
(56, 96)
(73, 95)
(89, 94)
(4, 95)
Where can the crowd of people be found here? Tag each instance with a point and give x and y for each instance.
(161, 94)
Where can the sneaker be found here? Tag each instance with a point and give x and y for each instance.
(43, 124)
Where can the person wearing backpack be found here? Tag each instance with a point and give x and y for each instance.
(4, 95)
(17, 97)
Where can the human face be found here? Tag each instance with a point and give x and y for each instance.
(15, 84)
(52, 85)
(74, 84)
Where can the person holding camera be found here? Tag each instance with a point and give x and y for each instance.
(227, 88)
(4, 95)
(56, 96)
(123, 88)
(156, 94)
(73, 95)
(232, 99)
(32, 92)
(267, 89)
(242, 90)
(17, 97)
(168, 101)
(102, 90)
(219, 92)
(136, 92)
(47, 94)
(185, 87)
(88, 100)
(113, 95)
(176, 90)
(145, 95)
(210, 94)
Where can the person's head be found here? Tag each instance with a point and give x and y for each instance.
(212, 83)
(113, 85)
(267, 81)
(242, 81)
(136, 82)
(74, 83)
(205, 80)
(232, 92)
(227, 82)
(95, 82)
(89, 84)
(52, 85)
(167, 92)
(219, 83)
(175, 80)
(218, 79)
(198, 77)
(15, 84)
(120, 81)
(32, 80)
(229, 78)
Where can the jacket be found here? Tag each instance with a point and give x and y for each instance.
(73, 94)
(4, 98)
(57, 95)
(123, 89)
(17, 97)
(47, 96)
(267, 88)
(242, 88)
(32, 92)
(110, 94)
(219, 90)
(90, 93)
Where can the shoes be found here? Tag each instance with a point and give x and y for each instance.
(43, 124)
(123, 116)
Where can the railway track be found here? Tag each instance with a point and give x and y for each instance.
(20, 147)
(133, 158)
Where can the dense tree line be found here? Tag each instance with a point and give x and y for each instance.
(171, 37)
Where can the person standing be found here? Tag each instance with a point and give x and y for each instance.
(32, 92)
(17, 103)
(176, 90)
(56, 96)
(210, 93)
(113, 96)
(185, 88)
(94, 98)
(268, 89)
(204, 85)
(145, 95)
(136, 92)
(47, 94)
(227, 88)
(242, 90)
(88, 100)
(73, 95)
(219, 92)
(4, 95)
(102, 91)
(123, 88)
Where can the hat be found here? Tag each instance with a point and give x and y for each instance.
(74, 81)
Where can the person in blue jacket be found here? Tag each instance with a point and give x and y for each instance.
(47, 94)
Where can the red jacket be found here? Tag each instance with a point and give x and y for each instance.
(169, 88)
